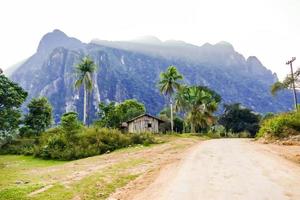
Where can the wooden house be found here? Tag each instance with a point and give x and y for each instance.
(143, 123)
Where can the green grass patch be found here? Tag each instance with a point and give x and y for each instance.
(15, 179)
(14, 168)
(18, 192)
(96, 186)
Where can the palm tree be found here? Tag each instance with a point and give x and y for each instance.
(168, 85)
(84, 71)
(287, 83)
(198, 103)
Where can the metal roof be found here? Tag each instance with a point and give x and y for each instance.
(146, 114)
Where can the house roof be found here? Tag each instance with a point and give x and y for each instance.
(148, 115)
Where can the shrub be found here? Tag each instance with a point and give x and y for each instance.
(232, 135)
(56, 144)
(19, 146)
(244, 134)
(213, 134)
(281, 125)
(219, 130)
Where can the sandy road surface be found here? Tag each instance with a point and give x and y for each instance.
(227, 169)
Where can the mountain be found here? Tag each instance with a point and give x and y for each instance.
(130, 69)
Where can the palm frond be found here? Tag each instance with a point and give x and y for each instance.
(276, 87)
(78, 83)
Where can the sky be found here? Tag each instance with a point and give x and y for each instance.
(267, 29)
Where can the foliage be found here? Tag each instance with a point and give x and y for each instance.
(85, 70)
(11, 98)
(281, 125)
(165, 127)
(219, 130)
(198, 103)
(55, 144)
(178, 124)
(168, 85)
(212, 134)
(286, 83)
(130, 108)
(237, 119)
(19, 146)
(112, 115)
(39, 117)
(268, 116)
(244, 134)
(70, 123)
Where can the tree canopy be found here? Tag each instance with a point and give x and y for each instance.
(11, 98)
(39, 117)
(168, 83)
(198, 103)
(237, 119)
(112, 114)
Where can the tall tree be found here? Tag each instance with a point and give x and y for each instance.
(39, 117)
(11, 98)
(198, 103)
(237, 119)
(85, 70)
(168, 85)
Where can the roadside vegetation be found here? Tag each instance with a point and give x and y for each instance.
(281, 125)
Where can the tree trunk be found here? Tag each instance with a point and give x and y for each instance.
(84, 104)
(193, 128)
(172, 121)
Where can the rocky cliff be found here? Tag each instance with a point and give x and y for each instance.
(131, 70)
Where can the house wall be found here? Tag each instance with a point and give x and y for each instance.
(141, 125)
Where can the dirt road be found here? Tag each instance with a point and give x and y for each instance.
(227, 169)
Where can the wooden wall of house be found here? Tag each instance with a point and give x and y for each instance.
(141, 125)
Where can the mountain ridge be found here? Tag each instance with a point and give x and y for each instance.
(131, 70)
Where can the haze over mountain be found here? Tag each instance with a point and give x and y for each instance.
(130, 69)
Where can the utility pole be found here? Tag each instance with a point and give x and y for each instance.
(290, 62)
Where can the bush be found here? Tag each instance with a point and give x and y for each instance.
(213, 134)
(56, 144)
(281, 125)
(218, 130)
(244, 134)
(232, 135)
(19, 146)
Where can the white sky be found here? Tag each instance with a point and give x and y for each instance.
(268, 29)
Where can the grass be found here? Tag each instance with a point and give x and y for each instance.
(96, 186)
(15, 180)
(14, 167)
(21, 175)
(17, 192)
